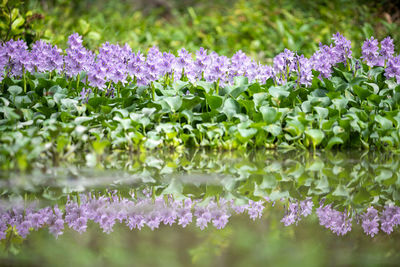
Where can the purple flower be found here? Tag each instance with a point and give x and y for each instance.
(387, 48)
(390, 218)
(56, 223)
(338, 222)
(370, 221)
(342, 48)
(14, 56)
(203, 217)
(23, 228)
(370, 51)
(292, 215)
(153, 219)
(296, 210)
(323, 60)
(184, 213)
(305, 71)
(393, 68)
(84, 95)
(44, 58)
(255, 209)
(306, 207)
(78, 58)
(75, 217)
(239, 63)
(36, 220)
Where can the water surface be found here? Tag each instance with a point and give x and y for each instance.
(206, 208)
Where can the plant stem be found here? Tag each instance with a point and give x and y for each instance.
(24, 76)
(217, 86)
(119, 89)
(152, 91)
(77, 81)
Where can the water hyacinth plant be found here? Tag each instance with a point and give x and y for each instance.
(115, 64)
(117, 99)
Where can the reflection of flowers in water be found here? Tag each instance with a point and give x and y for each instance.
(338, 222)
(296, 210)
(153, 211)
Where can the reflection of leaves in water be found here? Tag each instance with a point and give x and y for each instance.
(341, 178)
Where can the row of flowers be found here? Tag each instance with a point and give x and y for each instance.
(152, 212)
(115, 64)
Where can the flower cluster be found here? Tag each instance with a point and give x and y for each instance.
(118, 65)
(338, 222)
(370, 221)
(77, 58)
(372, 56)
(152, 212)
(135, 213)
(44, 58)
(296, 210)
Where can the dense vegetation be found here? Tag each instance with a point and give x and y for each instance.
(57, 103)
(221, 127)
(261, 29)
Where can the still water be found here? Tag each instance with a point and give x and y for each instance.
(205, 208)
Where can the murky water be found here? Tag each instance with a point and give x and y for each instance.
(206, 208)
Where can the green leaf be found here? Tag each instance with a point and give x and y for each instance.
(384, 123)
(174, 102)
(188, 114)
(278, 92)
(322, 112)
(361, 196)
(341, 191)
(384, 174)
(21, 101)
(69, 104)
(247, 133)
(273, 129)
(189, 102)
(206, 86)
(269, 114)
(213, 190)
(100, 145)
(214, 101)
(259, 98)
(323, 184)
(316, 135)
(335, 140)
(236, 91)
(340, 103)
(95, 102)
(361, 92)
(15, 90)
(230, 108)
(175, 187)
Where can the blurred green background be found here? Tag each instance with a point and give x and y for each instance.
(261, 28)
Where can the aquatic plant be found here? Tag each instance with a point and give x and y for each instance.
(115, 64)
(116, 99)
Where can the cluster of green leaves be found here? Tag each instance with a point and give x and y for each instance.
(260, 28)
(351, 110)
(18, 21)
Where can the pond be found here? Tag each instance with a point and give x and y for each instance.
(204, 207)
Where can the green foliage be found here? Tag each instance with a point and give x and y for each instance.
(351, 110)
(260, 28)
(17, 21)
